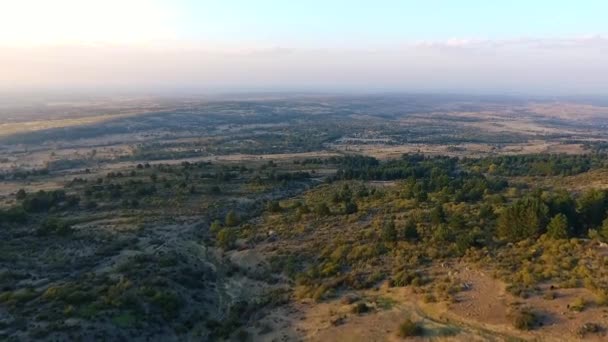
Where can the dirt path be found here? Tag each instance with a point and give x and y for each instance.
(334, 321)
(480, 313)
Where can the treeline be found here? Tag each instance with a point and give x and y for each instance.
(451, 180)
(350, 161)
(595, 146)
(23, 174)
(537, 164)
(560, 215)
(415, 165)
(37, 202)
(424, 175)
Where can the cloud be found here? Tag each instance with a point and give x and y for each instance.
(471, 43)
(527, 65)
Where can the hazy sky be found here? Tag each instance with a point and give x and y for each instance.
(548, 47)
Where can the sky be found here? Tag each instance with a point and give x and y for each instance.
(464, 46)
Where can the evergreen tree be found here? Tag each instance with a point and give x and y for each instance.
(558, 227)
(409, 231)
(524, 219)
(350, 207)
(604, 230)
(437, 215)
(389, 233)
(591, 207)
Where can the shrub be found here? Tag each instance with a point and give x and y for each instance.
(79, 297)
(242, 335)
(319, 293)
(429, 298)
(302, 210)
(322, 209)
(274, 207)
(602, 298)
(226, 238)
(404, 278)
(231, 219)
(603, 232)
(389, 233)
(168, 302)
(216, 226)
(589, 328)
(524, 319)
(349, 299)
(54, 226)
(410, 232)
(124, 320)
(409, 328)
(13, 215)
(578, 305)
(350, 207)
(550, 295)
(21, 194)
(360, 308)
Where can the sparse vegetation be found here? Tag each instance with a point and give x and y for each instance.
(198, 232)
(409, 328)
(360, 308)
(524, 319)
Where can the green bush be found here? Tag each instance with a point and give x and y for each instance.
(409, 328)
(226, 238)
(350, 207)
(168, 302)
(124, 320)
(54, 226)
(322, 209)
(524, 319)
(231, 219)
(215, 227)
(410, 232)
(578, 305)
(360, 308)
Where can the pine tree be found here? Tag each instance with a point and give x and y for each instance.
(524, 219)
(350, 207)
(389, 233)
(591, 207)
(438, 215)
(409, 231)
(558, 227)
(604, 230)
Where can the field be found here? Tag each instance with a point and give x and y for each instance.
(316, 218)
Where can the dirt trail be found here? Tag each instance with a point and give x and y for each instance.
(334, 321)
(480, 313)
